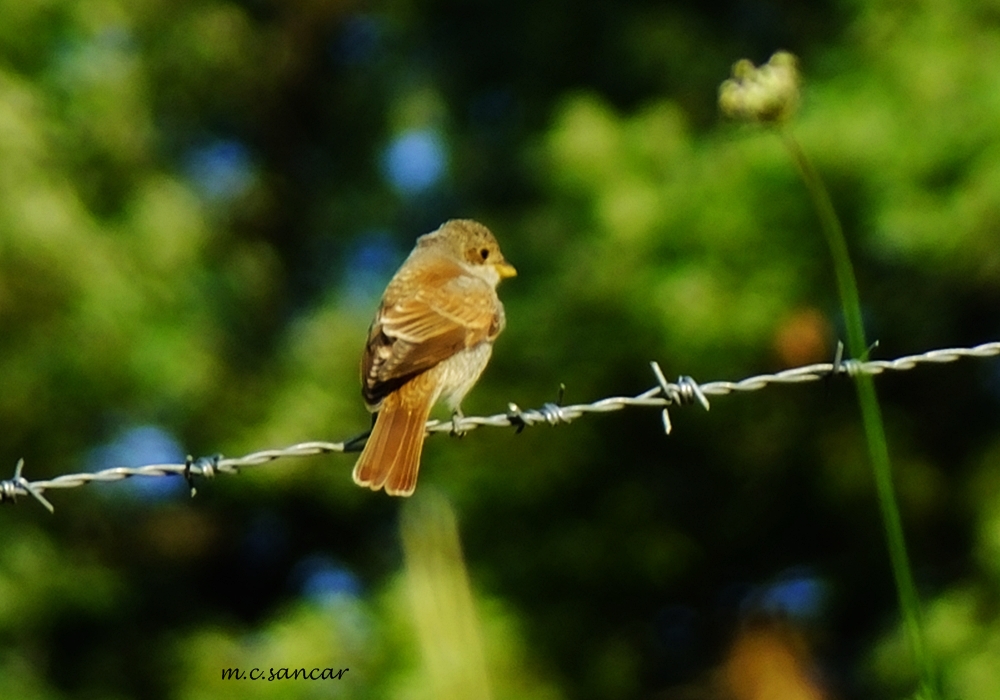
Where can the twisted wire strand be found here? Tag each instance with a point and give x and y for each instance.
(684, 391)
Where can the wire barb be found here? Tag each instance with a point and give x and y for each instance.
(685, 391)
(838, 359)
(12, 488)
(203, 466)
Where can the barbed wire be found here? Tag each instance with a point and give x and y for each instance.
(685, 391)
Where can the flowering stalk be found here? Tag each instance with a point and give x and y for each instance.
(770, 95)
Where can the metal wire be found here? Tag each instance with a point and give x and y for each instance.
(684, 391)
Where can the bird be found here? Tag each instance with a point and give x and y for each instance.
(431, 339)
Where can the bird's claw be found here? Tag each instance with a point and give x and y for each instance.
(457, 416)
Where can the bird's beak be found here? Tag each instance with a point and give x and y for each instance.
(506, 270)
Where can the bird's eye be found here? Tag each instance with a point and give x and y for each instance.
(484, 253)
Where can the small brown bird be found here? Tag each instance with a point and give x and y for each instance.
(431, 338)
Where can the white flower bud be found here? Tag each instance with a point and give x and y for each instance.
(769, 94)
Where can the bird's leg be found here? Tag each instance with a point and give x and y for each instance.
(456, 416)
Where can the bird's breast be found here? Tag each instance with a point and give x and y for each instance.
(460, 371)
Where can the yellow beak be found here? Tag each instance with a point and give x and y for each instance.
(506, 270)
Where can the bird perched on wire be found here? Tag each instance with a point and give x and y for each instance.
(431, 339)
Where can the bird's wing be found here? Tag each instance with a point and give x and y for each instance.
(423, 321)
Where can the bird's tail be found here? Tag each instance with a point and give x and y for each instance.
(391, 457)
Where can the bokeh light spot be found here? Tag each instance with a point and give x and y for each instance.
(324, 581)
(359, 40)
(415, 161)
(369, 265)
(221, 170)
(136, 447)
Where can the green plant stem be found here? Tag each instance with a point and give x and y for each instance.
(871, 416)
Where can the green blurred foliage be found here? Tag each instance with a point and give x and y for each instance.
(196, 219)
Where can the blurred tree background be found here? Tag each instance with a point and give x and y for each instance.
(201, 201)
